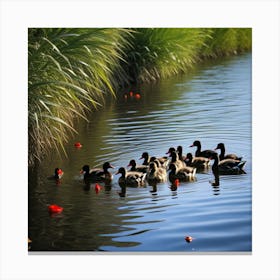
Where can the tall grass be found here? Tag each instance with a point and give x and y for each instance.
(227, 41)
(70, 70)
(162, 52)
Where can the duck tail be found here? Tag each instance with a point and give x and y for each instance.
(194, 172)
(241, 164)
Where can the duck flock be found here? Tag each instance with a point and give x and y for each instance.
(174, 166)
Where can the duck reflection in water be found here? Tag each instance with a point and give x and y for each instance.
(122, 193)
(154, 188)
(175, 184)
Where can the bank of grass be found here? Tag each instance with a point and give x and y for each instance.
(71, 70)
(69, 73)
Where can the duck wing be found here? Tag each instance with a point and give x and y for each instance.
(205, 153)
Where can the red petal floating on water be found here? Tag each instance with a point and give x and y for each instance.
(78, 145)
(131, 94)
(55, 209)
(188, 239)
(97, 188)
(137, 96)
(59, 171)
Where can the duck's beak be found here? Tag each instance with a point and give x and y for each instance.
(129, 165)
(191, 145)
(117, 173)
(141, 158)
(82, 171)
(111, 166)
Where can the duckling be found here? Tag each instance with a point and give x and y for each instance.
(97, 174)
(198, 162)
(183, 174)
(199, 153)
(222, 156)
(58, 173)
(154, 174)
(175, 159)
(131, 178)
(139, 168)
(227, 166)
(147, 159)
(160, 168)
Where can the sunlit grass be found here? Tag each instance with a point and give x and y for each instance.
(162, 52)
(227, 41)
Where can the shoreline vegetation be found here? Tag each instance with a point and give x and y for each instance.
(71, 70)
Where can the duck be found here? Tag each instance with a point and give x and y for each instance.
(131, 178)
(98, 174)
(161, 169)
(175, 159)
(154, 174)
(199, 153)
(227, 166)
(148, 159)
(58, 173)
(135, 167)
(221, 146)
(183, 174)
(198, 162)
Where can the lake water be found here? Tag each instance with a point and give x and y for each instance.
(211, 104)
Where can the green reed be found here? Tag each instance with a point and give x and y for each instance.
(70, 70)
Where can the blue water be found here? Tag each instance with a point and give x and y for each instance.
(212, 103)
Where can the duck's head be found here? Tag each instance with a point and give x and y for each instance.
(132, 163)
(152, 159)
(107, 165)
(220, 146)
(196, 143)
(170, 150)
(121, 171)
(58, 173)
(85, 169)
(180, 149)
(145, 155)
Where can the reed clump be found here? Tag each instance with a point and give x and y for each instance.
(69, 73)
(70, 70)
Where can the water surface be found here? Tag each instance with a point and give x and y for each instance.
(212, 103)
